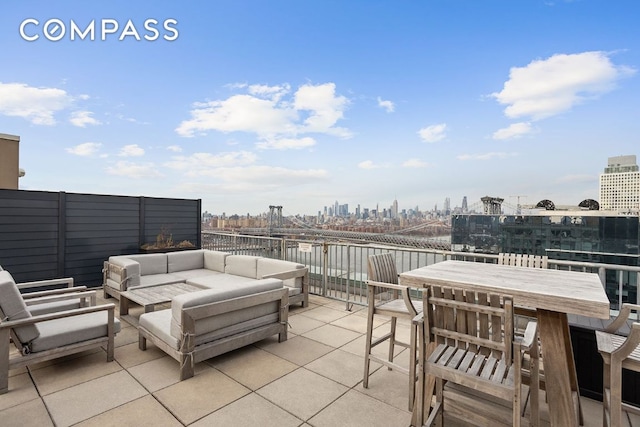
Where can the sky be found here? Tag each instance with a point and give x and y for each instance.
(247, 104)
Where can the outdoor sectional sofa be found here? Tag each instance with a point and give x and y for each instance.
(203, 268)
(240, 299)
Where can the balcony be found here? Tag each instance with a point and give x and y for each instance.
(314, 378)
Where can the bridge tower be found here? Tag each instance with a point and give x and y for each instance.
(275, 218)
(492, 205)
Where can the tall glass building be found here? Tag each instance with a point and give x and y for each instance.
(591, 236)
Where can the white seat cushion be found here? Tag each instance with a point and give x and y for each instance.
(69, 330)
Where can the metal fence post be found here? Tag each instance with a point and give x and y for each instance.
(325, 267)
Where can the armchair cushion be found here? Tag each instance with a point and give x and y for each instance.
(14, 308)
(70, 330)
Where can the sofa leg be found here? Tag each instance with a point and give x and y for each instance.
(142, 342)
(186, 367)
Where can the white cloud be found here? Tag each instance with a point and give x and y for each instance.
(387, 105)
(37, 105)
(272, 92)
(486, 156)
(239, 113)
(132, 150)
(286, 143)
(263, 111)
(175, 148)
(83, 118)
(368, 164)
(515, 130)
(324, 107)
(196, 163)
(433, 133)
(134, 170)
(554, 85)
(86, 149)
(415, 163)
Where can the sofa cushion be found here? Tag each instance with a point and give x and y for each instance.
(185, 260)
(14, 308)
(219, 281)
(191, 274)
(151, 263)
(242, 265)
(215, 260)
(268, 266)
(157, 279)
(132, 272)
(211, 324)
(159, 324)
(69, 330)
(54, 306)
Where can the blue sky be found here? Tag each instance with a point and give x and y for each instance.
(302, 103)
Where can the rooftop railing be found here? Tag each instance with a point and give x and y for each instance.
(338, 270)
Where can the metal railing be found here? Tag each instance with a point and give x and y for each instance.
(338, 270)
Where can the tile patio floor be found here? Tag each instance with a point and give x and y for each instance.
(313, 379)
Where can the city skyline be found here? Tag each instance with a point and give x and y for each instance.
(248, 104)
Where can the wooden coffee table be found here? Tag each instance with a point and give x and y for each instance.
(149, 297)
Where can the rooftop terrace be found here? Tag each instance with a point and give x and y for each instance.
(313, 379)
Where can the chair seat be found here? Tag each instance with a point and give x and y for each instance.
(448, 362)
(614, 341)
(398, 306)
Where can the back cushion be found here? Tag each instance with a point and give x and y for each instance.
(268, 266)
(185, 260)
(215, 260)
(151, 263)
(207, 296)
(14, 308)
(242, 265)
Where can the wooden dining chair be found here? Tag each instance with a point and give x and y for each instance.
(387, 298)
(533, 372)
(618, 352)
(475, 348)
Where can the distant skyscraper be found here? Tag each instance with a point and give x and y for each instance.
(465, 209)
(447, 206)
(620, 185)
(336, 209)
(394, 209)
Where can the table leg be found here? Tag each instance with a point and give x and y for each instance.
(124, 305)
(560, 373)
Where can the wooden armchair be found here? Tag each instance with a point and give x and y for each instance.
(48, 336)
(618, 353)
(383, 280)
(474, 347)
(52, 295)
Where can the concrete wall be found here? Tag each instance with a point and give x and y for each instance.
(9, 161)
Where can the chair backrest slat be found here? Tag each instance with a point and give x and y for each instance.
(382, 268)
(479, 321)
(520, 260)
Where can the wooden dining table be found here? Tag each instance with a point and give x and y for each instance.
(553, 294)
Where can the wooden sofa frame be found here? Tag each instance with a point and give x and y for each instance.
(301, 298)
